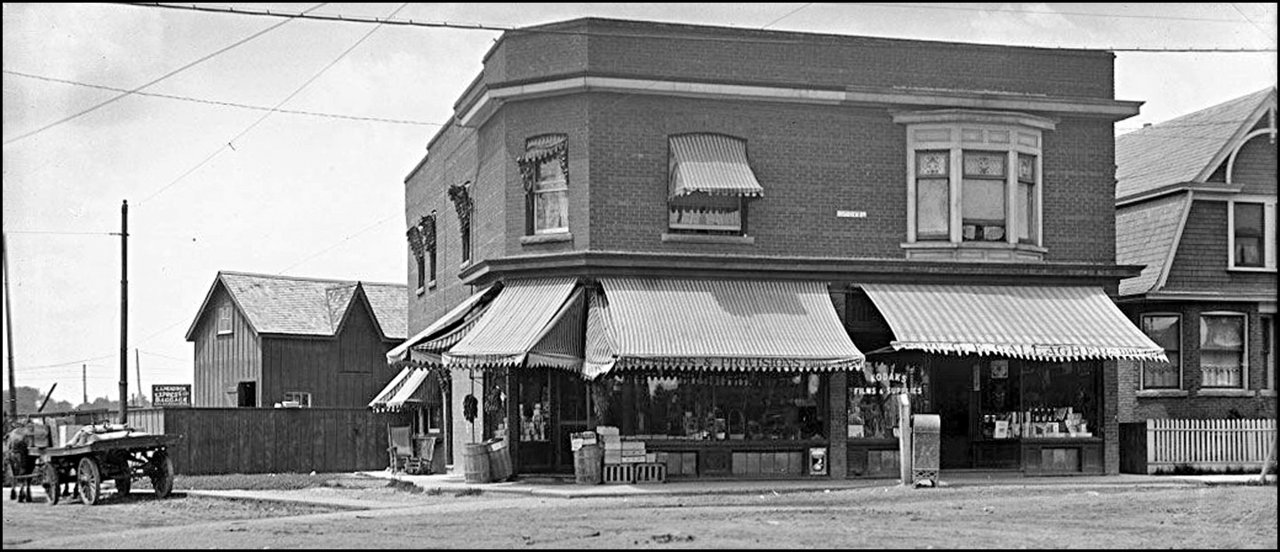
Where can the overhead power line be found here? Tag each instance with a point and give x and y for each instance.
(154, 81)
(264, 116)
(526, 30)
(1081, 14)
(222, 103)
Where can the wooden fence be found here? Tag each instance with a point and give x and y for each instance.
(272, 440)
(1165, 446)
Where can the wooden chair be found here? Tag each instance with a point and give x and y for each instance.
(400, 448)
(420, 464)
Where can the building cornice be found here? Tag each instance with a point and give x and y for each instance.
(617, 263)
(484, 99)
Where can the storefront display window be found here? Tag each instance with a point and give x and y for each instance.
(494, 403)
(1057, 400)
(873, 404)
(757, 407)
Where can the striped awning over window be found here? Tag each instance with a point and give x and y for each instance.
(400, 390)
(717, 325)
(1028, 322)
(711, 163)
(529, 316)
(447, 329)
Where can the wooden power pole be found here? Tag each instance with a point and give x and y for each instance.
(124, 312)
(8, 326)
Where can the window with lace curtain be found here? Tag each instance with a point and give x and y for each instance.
(1223, 363)
(1166, 331)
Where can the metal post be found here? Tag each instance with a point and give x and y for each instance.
(8, 326)
(904, 437)
(137, 373)
(84, 383)
(124, 311)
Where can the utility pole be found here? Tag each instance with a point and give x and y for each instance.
(124, 311)
(84, 383)
(137, 372)
(8, 326)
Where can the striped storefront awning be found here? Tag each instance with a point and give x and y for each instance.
(1028, 322)
(446, 330)
(716, 325)
(712, 164)
(526, 317)
(402, 389)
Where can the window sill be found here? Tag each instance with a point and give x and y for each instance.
(421, 290)
(546, 238)
(1266, 392)
(1261, 269)
(702, 238)
(227, 332)
(973, 251)
(464, 265)
(1161, 393)
(1224, 393)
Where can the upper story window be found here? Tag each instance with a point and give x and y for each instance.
(1223, 360)
(975, 184)
(1251, 222)
(422, 243)
(224, 319)
(710, 182)
(1166, 331)
(460, 194)
(544, 168)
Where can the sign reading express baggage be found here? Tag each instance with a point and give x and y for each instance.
(169, 396)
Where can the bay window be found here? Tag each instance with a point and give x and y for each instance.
(976, 185)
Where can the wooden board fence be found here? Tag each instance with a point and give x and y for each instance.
(1164, 446)
(272, 440)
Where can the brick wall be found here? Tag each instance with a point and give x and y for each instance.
(1200, 264)
(1255, 402)
(687, 52)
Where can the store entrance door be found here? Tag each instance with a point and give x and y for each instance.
(551, 404)
(953, 401)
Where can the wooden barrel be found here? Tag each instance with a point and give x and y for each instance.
(587, 465)
(475, 460)
(499, 459)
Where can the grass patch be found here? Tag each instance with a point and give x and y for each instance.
(435, 491)
(405, 486)
(469, 492)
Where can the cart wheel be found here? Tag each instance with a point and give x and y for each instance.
(162, 474)
(90, 481)
(50, 484)
(123, 485)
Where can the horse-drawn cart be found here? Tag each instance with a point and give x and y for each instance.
(121, 456)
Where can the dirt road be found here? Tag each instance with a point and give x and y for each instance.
(892, 517)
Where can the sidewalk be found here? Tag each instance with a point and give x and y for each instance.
(567, 489)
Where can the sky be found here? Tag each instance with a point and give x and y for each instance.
(215, 181)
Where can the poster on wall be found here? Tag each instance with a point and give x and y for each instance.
(818, 461)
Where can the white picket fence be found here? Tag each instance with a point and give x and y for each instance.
(1208, 444)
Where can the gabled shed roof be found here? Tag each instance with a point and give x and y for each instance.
(308, 306)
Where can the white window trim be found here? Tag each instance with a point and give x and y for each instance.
(960, 130)
(1142, 371)
(298, 394)
(563, 186)
(1268, 229)
(1244, 352)
(225, 309)
(1269, 341)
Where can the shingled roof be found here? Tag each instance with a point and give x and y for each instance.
(1185, 149)
(308, 306)
(1146, 234)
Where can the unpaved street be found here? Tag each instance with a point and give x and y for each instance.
(893, 517)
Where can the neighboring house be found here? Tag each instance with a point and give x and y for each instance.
(740, 247)
(1196, 204)
(261, 340)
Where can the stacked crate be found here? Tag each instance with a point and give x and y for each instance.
(615, 470)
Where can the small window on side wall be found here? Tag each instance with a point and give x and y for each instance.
(296, 399)
(224, 319)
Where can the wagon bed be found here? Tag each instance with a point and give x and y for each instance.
(117, 458)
